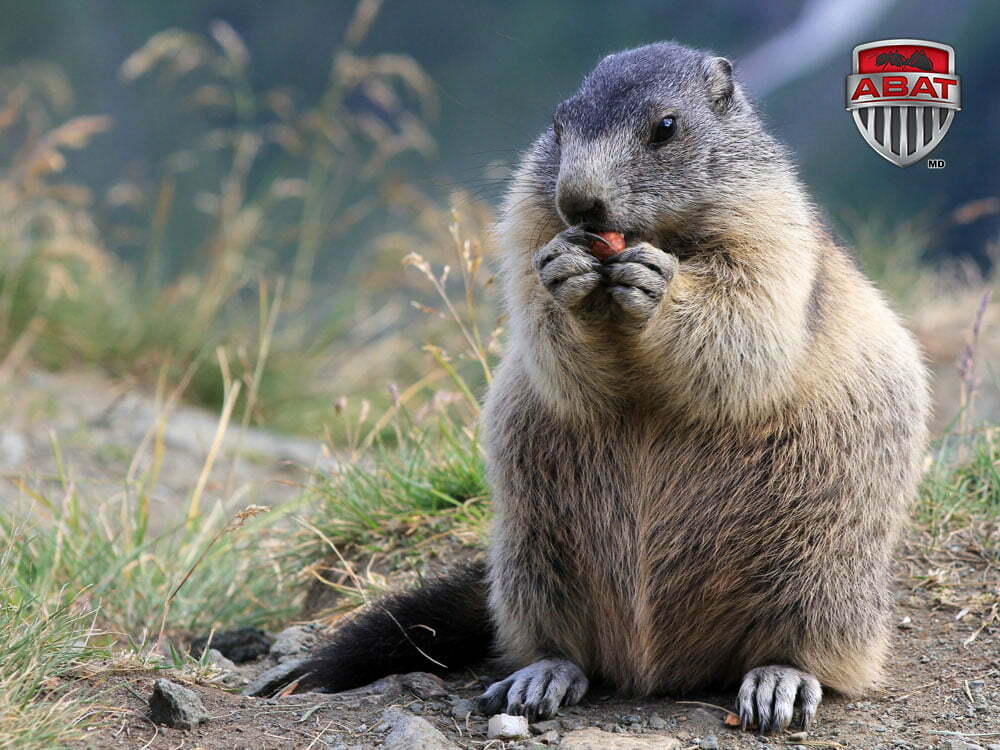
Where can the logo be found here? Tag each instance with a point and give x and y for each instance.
(903, 96)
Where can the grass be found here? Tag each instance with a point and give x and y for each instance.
(46, 633)
(961, 487)
(289, 181)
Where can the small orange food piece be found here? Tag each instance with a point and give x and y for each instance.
(615, 244)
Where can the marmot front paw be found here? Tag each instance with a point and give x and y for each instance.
(566, 268)
(638, 278)
(536, 691)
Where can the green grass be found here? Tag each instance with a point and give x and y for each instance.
(91, 587)
(961, 488)
(45, 634)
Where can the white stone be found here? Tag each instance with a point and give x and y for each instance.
(507, 727)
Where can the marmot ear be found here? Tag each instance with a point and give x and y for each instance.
(719, 79)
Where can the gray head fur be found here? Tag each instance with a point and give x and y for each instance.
(599, 146)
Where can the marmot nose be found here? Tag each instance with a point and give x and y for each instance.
(580, 208)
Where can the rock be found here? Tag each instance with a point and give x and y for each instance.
(270, 680)
(657, 722)
(241, 645)
(295, 642)
(905, 624)
(411, 732)
(710, 742)
(630, 719)
(424, 685)
(797, 736)
(550, 737)
(461, 708)
(387, 687)
(217, 659)
(176, 706)
(507, 727)
(541, 727)
(959, 745)
(595, 739)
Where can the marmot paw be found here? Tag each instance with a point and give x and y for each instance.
(566, 268)
(537, 691)
(768, 694)
(638, 278)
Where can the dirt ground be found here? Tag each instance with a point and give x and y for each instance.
(942, 691)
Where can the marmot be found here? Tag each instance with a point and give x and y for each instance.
(701, 450)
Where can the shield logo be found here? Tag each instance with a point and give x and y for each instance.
(903, 96)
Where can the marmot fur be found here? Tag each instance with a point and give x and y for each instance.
(701, 450)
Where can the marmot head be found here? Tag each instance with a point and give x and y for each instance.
(653, 135)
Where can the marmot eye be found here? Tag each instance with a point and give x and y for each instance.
(664, 131)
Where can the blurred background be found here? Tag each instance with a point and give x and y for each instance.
(183, 178)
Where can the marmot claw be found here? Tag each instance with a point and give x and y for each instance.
(638, 279)
(566, 268)
(768, 694)
(537, 691)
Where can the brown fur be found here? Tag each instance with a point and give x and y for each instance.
(718, 489)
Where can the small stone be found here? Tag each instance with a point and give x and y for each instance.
(596, 739)
(541, 727)
(797, 736)
(710, 742)
(270, 680)
(925, 659)
(630, 719)
(424, 685)
(411, 732)
(657, 722)
(217, 659)
(507, 727)
(905, 624)
(550, 737)
(461, 708)
(176, 706)
(295, 642)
